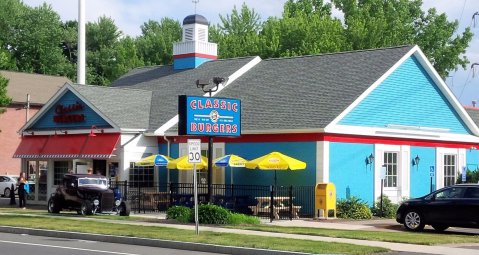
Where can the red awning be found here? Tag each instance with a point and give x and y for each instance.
(100, 146)
(63, 146)
(30, 147)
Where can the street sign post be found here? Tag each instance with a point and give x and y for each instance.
(194, 157)
(464, 174)
(432, 172)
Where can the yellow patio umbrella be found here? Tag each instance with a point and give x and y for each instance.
(154, 160)
(275, 161)
(181, 163)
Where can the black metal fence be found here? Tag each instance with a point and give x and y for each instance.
(289, 202)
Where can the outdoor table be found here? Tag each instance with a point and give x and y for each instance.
(281, 204)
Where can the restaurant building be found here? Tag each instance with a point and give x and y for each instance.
(347, 115)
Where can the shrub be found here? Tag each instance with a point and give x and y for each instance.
(353, 208)
(239, 219)
(389, 208)
(212, 214)
(180, 213)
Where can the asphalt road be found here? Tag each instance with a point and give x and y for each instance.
(13, 244)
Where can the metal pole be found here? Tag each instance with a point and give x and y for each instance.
(81, 43)
(382, 185)
(195, 192)
(27, 108)
(210, 166)
(431, 184)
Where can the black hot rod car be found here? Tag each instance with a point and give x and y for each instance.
(87, 194)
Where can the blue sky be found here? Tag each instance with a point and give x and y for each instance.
(129, 15)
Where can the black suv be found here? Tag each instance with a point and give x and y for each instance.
(453, 206)
(87, 194)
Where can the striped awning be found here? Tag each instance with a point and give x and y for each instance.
(75, 146)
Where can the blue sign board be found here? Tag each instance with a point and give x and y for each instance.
(431, 171)
(209, 116)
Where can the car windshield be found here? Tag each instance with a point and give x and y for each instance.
(92, 181)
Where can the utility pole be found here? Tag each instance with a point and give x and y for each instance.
(27, 108)
(81, 43)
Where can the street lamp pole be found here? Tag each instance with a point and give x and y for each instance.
(204, 86)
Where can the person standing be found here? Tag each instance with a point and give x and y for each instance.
(22, 196)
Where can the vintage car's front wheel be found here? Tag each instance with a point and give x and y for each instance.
(53, 206)
(124, 209)
(86, 208)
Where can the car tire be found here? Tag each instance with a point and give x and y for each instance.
(6, 192)
(53, 206)
(439, 227)
(124, 209)
(413, 221)
(86, 208)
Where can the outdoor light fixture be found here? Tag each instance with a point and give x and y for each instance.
(92, 134)
(415, 161)
(204, 84)
(369, 160)
(473, 148)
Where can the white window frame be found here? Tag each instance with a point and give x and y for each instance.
(391, 164)
(403, 171)
(460, 163)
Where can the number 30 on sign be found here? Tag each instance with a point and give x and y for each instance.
(194, 151)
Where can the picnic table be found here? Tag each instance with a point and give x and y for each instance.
(280, 204)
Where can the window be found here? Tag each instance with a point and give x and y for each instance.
(60, 168)
(142, 176)
(456, 192)
(472, 193)
(391, 164)
(449, 169)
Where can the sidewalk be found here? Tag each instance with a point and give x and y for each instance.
(370, 225)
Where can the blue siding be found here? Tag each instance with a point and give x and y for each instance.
(348, 170)
(407, 97)
(188, 63)
(91, 117)
(420, 180)
(304, 151)
(472, 159)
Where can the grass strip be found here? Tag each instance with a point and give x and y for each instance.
(424, 238)
(164, 233)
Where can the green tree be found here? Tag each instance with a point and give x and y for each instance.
(35, 42)
(382, 23)
(4, 99)
(238, 33)
(155, 45)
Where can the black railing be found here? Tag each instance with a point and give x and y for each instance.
(289, 202)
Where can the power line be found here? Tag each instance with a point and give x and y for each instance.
(466, 82)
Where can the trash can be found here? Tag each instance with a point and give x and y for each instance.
(325, 201)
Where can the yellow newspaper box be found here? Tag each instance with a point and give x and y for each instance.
(325, 200)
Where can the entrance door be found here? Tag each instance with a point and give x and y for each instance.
(99, 167)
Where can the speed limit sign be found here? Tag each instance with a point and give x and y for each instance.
(194, 151)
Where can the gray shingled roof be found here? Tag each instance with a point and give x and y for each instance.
(310, 91)
(167, 84)
(286, 93)
(474, 113)
(126, 107)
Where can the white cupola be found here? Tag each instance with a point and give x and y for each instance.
(194, 49)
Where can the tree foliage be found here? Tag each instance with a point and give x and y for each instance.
(5, 100)
(34, 39)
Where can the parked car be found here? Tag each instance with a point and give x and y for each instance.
(87, 194)
(6, 182)
(453, 206)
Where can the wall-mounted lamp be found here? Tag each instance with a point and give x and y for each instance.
(92, 133)
(415, 161)
(369, 160)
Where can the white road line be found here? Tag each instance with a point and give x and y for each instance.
(67, 248)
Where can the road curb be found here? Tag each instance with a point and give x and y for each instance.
(147, 242)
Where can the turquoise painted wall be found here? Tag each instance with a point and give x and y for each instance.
(174, 151)
(304, 151)
(420, 180)
(348, 170)
(407, 97)
(91, 117)
(188, 63)
(472, 159)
